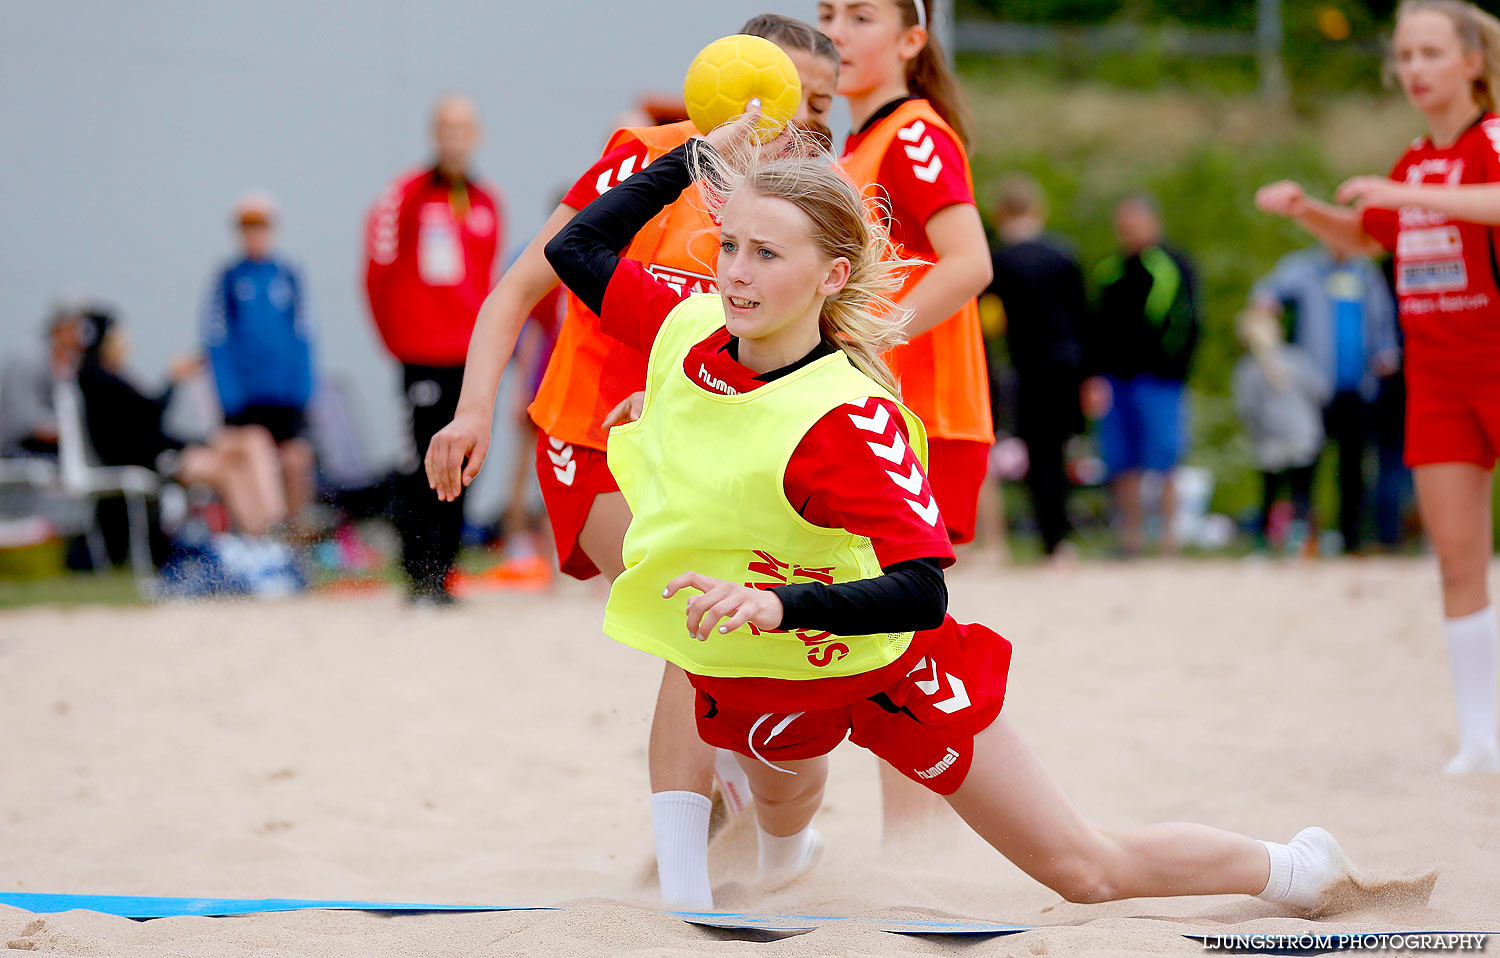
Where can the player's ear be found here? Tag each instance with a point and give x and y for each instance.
(836, 278)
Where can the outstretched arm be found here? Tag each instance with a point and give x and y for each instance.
(458, 450)
(1337, 227)
(1475, 203)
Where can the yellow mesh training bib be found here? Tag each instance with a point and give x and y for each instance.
(703, 474)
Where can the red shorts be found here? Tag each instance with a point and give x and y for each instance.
(1452, 422)
(571, 477)
(923, 725)
(956, 469)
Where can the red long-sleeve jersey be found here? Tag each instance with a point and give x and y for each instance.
(430, 246)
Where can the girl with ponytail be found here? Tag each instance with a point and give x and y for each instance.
(780, 511)
(1439, 212)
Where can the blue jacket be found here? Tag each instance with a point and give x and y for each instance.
(258, 335)
(1301, 281)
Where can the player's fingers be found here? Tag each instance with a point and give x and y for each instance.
(453, 463)
(430, 466)
(696, 607)
(617, 414)
(688, 580)
(740, 617)
(475, 460)
(716, 612)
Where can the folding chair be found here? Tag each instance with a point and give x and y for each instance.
(82, 476)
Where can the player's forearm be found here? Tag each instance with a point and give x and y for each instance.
(1337, 227)
(908, 597)
(952, 282)
(1478, 203)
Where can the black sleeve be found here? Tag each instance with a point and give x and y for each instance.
(584, 253)
(910, 596)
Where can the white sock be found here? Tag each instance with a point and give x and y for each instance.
(679, 820)
(1474, 656)
(1303, 868)
(787, 855)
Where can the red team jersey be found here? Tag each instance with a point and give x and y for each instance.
(1448, 284)
(430, 252)
(1446, 277)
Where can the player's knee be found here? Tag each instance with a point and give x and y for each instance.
(1084, 882)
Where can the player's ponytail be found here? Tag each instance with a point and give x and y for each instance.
(927, 74)
(1477, 30)
(861, 319)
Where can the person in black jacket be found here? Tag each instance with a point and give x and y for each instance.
(1040, 285)
(1145, 332)
(124, 427)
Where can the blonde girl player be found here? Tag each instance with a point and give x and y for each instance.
(588, 375)
(772, 459)
(907, 148)
(1439, 212)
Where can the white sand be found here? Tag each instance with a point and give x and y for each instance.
(326, 748)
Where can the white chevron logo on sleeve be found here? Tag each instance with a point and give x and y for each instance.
(603, 184)
(860, 403)
(921, 153)
(928, 173)
(911, 482)
(895, 452)
(913, 133)
(875, 423)
(561, 458)
(929, 512)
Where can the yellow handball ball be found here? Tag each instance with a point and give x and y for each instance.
(728, 73)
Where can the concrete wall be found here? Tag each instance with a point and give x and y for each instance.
(128, 129)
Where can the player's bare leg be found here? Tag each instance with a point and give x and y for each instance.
(680, 765)
(1454, 499)
(787, 795)
(908, 811)
(1014, 804)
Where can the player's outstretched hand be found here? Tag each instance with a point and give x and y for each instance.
(467, 437)
(629, 410)
(735, 603)
(1371, 192)
(1283, 198)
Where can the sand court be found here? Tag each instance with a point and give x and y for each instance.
(355, 749)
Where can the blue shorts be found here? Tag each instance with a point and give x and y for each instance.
(1145, 425)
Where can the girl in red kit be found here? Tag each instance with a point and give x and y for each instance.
(588, 375)
(770, 452)
(907, 150)
(1439, 212)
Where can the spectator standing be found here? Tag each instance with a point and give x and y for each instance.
(28, 421)
(1279, 393)
(1040, 284)
(258, 336)
(1345, 320)
(431, 243)
(1145, 332)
